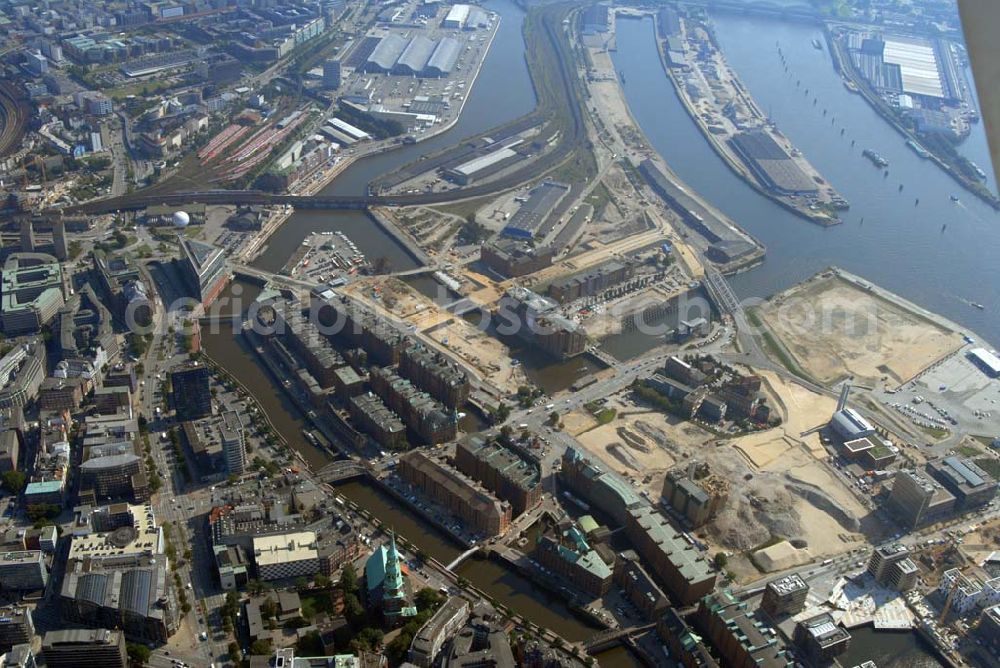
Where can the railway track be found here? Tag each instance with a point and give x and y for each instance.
(14, 113)
(560, 106)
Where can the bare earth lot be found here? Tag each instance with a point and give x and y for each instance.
(835, 329)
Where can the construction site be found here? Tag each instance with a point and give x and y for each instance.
(836, 325)
(780, 503)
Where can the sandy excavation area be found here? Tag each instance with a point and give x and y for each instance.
(776, 483)
(835, 329)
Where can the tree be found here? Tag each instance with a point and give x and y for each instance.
(14, 481)
(349, 579)
(428, 599)
(234, 652)
(261, 647)
(138, 653)
(301, 583)
(268, 608)
(720, 560)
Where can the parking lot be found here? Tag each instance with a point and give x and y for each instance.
(953, 394)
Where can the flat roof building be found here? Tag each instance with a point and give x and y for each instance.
(918, 500)
(985, 360)
(286, 556)
(23, 571)
(429, 640)
(971, 485)
(204, 268)
(84, 648)
(31, 292)
(785, 596)
(821, 638)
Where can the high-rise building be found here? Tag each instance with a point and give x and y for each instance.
(27, 237)
(331, 74)
(23, 571)
(16, 627)
(891, 565)
(32, 291)
(204, 268)
(918, 500)
(191, 393)
(84, 648)
(234, 447)
(59, 246)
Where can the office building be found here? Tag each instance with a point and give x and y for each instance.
(683, 642)
(988, 631)
(785, 596)
(387, 586)
(191, 392)
(135, 598)
(431, 637)
(60, 248)
(113, 471)
(591, 281)
(483, 636)
(16, 627)
(821, 639)
(124, 286)
(204, 269)
(501, 469)
(19, 656)
(84, 648)
(917, 500)
(736, 633)
(331, 74)
(891, 566)
(234, 447)
(32, 292)
(972, 486)
(23, 571)
(965, 593)
(22, 371)
(9, 447)
(286, 556)
(570, 556)
(464, 498)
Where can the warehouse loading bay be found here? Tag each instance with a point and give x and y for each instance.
(419, 64)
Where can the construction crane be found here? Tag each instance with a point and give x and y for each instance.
(948, 601)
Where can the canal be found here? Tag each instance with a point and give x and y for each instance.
(899, 245)
(231, 352)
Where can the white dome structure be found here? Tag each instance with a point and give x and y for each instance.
(181, 219)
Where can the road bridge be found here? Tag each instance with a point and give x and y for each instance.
(344, 469)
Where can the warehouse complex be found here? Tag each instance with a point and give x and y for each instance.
(419, 56)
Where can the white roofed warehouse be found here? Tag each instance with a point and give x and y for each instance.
(414, 57)
(385, 55)
(443, 60)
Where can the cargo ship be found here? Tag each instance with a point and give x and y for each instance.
(918, 149)
(875, 157)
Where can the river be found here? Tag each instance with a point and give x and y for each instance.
(502, 92)
(899, 246)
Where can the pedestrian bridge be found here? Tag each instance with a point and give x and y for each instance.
(462, 557)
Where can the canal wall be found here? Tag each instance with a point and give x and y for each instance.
(381, 219)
